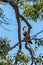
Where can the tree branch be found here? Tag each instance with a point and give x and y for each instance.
(11, 2)
(14, 46)
(37, 34)
(30, 52)
(18, 44)
(18, 16)
(18, 21)
(27, 23)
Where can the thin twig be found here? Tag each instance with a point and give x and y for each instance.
(36, 34)
(14, 46)
(18, 43)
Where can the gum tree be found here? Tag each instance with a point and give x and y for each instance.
(32, 12)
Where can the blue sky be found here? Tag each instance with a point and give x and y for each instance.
(12, 35)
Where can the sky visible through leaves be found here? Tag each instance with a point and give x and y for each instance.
(12, 35)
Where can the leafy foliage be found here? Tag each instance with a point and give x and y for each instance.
(38, 59)
(30, 11)
(33, 11)
(21, 57)
(39, 42)
(6, 61)
(4, 46)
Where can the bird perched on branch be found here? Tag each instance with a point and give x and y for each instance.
(26, 37)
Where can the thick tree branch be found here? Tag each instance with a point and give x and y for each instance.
(11, 2)
(18, 16)
(18, 21)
